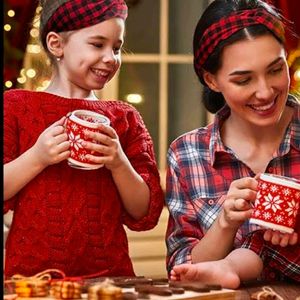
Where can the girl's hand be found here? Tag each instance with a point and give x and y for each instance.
(237, 206)
(52, 146)
(279, 238)
(108, 145)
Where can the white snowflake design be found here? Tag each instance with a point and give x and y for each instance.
(272, 202)
(264, 186)
(267, 215)
(75, 140)
(257, 200)
(293, 208)
(279, 219)
(290, 222)
(86, 131)
(286, 192)
(274, 188)
(82, 157)
(257, 213)
(74, 126)
(73, 153)
(297, 195)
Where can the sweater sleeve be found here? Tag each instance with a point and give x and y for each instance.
(10, 137)
(140, 152)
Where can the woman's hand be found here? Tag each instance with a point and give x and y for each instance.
(52, 146)
(108, 145)
(279, 238)
(237, 206)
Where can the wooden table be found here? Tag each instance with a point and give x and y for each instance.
(288, 291)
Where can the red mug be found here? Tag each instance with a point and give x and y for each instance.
(77, 124)
(277, 202)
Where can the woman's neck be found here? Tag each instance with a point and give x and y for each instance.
(236, 129)
(255, 146)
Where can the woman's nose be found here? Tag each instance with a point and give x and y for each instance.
(264, 89)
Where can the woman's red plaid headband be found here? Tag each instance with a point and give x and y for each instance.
(229, 25)
(70, 15)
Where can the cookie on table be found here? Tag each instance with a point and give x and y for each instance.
(64, 289)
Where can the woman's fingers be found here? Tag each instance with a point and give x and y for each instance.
(238, 216)
(279, 238)
(244, 183)
(241, 204)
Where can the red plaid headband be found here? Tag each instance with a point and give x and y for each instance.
(76, 14)
(229, 25)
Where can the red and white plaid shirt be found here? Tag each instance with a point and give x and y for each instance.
(200, 170)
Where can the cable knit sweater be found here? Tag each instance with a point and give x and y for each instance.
(66, 218)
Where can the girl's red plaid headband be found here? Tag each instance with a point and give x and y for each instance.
(77, 14)
(229, 25)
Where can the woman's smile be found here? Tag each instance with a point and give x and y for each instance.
(265, 109)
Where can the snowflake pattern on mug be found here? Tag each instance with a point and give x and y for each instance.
(276, 204)
(77, 134)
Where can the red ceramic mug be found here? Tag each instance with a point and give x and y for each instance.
(77, 124)
(277, 202)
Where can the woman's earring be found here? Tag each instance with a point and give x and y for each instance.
(58, 58)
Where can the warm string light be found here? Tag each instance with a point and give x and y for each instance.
(7, 27)
(8, 84)
(11, 13)
(294, 65)
(297, 75)
(35, 61)
(134, 98)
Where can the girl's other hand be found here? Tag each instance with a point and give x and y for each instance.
(279, 238)
(52, 146)
(237, 206)
(108, 145)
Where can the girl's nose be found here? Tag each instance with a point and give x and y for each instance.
(109, 57)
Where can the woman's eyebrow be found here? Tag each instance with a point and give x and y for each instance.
(275, 61)
(243, 72)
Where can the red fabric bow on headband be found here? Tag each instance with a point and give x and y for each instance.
(76, 14)
(229, 25)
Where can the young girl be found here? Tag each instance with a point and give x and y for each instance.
(212, 173)
(66, 218)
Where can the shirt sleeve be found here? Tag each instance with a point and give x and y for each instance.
(183, 231)
(10, 138)
(279, 262)
(140, 152)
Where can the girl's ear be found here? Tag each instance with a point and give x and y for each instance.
(55, 44)
(211, 81)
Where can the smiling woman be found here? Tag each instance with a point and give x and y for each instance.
(213, 172)
(254, 87)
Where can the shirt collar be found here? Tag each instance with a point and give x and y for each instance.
(292, 137)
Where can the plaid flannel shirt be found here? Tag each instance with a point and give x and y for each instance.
(200, 170)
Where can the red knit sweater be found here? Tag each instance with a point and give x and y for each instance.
(66, 218)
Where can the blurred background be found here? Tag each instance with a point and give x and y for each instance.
(156, 76)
